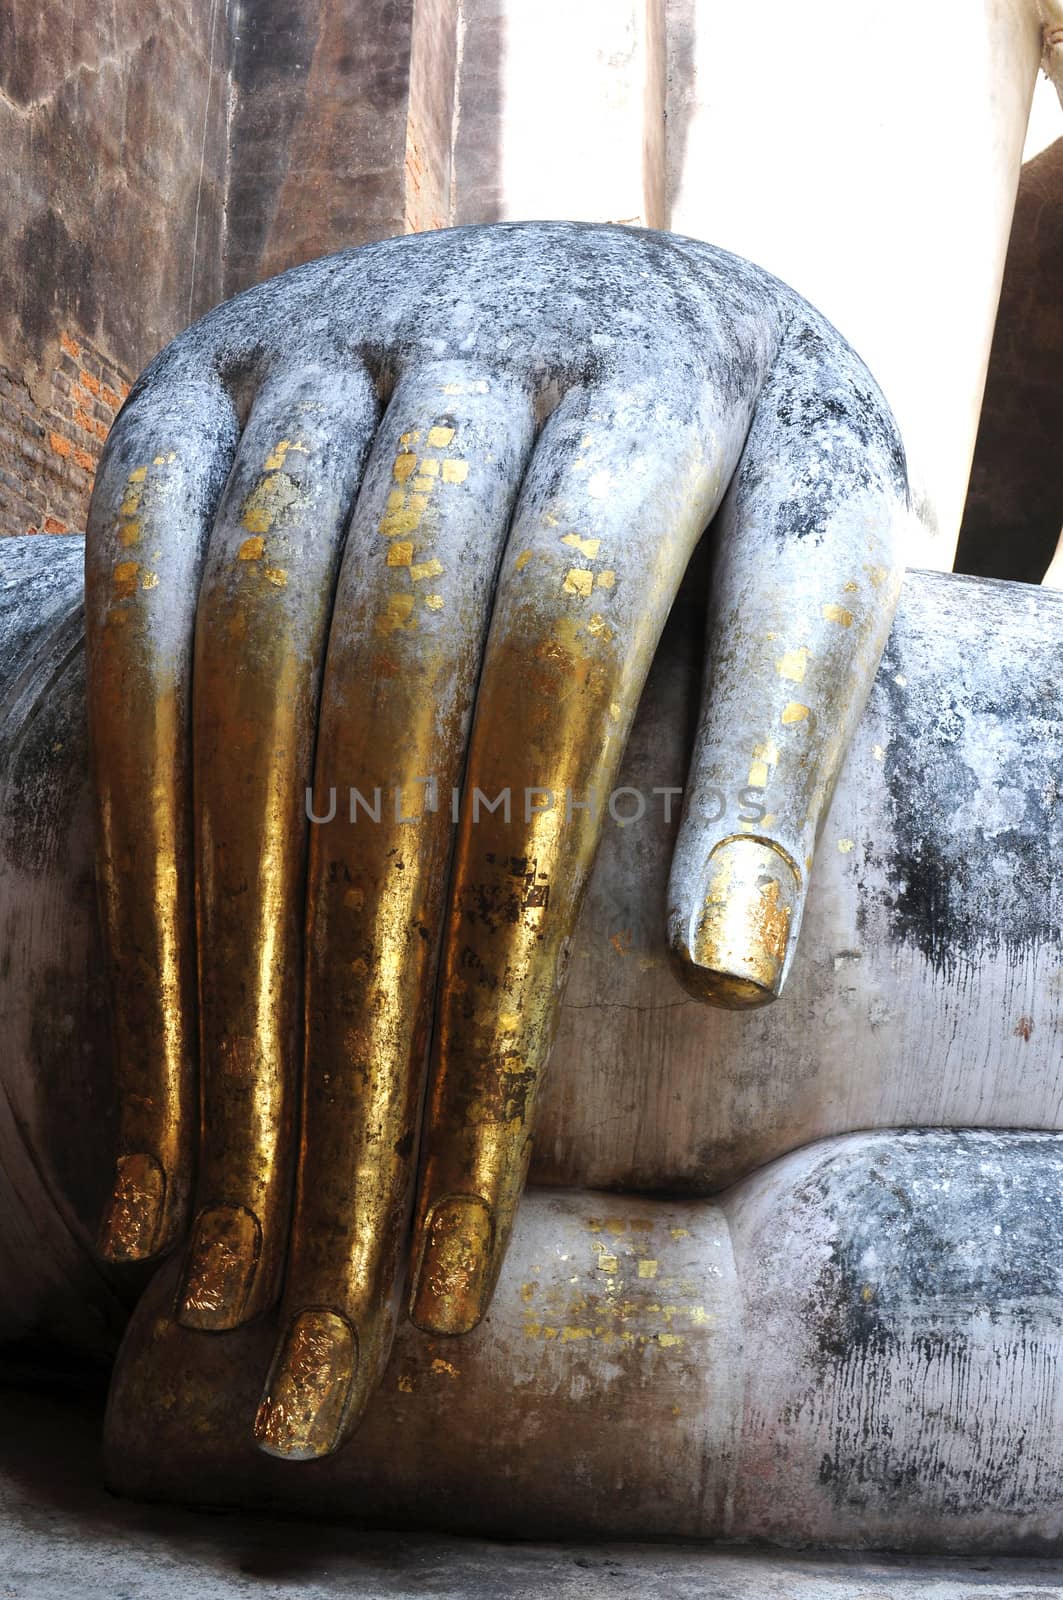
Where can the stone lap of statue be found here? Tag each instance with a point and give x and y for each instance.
(527, 428)
(857, 1345)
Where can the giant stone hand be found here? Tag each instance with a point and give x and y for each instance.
(403, 522)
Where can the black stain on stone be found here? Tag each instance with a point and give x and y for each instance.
(932, 1236)
(958, 892)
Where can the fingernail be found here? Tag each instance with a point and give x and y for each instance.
(222, 1258)
(301, 1413)
(452, 1279)
(737, 954)
(134, 1212)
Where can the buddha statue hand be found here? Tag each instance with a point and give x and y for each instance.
(377, 559)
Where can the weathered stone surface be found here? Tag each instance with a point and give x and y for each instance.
(856, 1347)
(114, 122)
(50, 1182)
(131, 132)
(167, 156)
(62, 1534)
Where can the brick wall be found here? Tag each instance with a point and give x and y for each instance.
(114, 119)
(166, 157)
(51, 436)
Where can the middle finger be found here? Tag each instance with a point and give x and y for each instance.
(404, 653)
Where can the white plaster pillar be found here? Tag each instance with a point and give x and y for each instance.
(870, 157)
(562, 103)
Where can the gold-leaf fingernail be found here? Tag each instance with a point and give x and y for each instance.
(449, 1292)
(222, 1259)
(131, 1221)
(301, 1413)
(738, 950)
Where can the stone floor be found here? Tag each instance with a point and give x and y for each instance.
(62, 1535)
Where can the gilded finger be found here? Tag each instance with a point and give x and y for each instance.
(404, 655)
(616, 496)
(260, 639)
(162, 472)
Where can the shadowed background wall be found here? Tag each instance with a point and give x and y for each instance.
(1014, 508)
(114, 140)
(161, 156)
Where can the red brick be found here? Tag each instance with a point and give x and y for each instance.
(48, 453)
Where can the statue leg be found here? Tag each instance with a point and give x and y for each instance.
(857, 1346)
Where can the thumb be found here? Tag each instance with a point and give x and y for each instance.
(805, 583)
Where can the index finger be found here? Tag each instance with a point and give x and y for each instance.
(618, 493)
